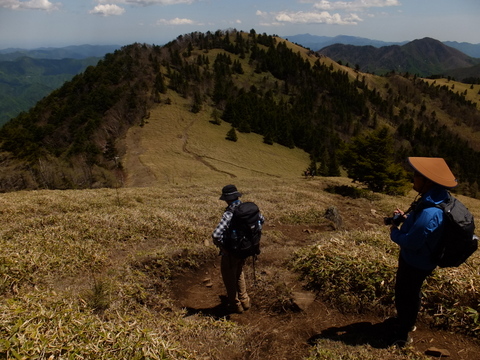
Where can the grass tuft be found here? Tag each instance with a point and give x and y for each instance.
(85, 275)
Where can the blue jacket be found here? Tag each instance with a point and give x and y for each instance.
(422, 229)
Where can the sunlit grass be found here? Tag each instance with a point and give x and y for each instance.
(88, 273)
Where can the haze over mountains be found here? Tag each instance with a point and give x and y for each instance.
(67, 52)
(317, 43)
(425, 57)
(26, 76)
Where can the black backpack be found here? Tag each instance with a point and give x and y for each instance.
(243, 235)
(458, 241)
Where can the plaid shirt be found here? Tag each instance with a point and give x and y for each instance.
(224, 223)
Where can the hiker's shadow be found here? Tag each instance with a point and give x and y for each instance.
(217, 312)
(361, 333)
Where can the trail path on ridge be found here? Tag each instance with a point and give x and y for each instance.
(290, 333)
(202, 158)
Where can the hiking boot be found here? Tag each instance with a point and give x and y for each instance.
(401, 338)
(394, 323)
(397, 335)
(235, 309)
(402, 341)
(246, 304)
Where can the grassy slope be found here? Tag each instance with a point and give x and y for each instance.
(79, 266)
(88, 272)
(181, 147)
(177, 146)
(473, 95)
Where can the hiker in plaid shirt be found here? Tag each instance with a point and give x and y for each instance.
(231, 266)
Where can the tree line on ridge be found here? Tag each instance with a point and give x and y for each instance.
(255, 82)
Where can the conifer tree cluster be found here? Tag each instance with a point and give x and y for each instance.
(256, 83)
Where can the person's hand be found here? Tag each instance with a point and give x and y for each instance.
(397, 211)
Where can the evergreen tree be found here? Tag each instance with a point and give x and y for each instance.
(232, 135)
(267, 139)
(333, 168)
(369, 159)
(322, 169)
(160, 84)
(197, 103)
(312, 168)
(215, 117)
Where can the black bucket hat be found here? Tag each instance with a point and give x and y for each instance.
(230, 192)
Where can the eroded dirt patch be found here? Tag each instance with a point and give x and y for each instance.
(281, 327)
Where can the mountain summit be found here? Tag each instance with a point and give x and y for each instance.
(289, 96)
(423, 57)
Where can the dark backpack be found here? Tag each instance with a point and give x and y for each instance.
(243, 235)
(458, 241)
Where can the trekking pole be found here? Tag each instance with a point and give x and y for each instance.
(116, 179)
(254, 257)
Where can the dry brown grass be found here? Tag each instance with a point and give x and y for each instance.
(87, 273)
(472, 94)
(180, 147)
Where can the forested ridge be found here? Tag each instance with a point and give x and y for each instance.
(425, 57)
(258, 83)
(25, 80)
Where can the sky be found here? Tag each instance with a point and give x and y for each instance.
(57, 23)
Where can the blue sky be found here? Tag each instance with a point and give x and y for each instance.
(54, 23)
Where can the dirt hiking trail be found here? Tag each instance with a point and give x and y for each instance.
(287, 328)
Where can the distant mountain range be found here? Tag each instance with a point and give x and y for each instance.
(425, 57)
(68, 52)
(288, 95)
(317, 43)
(26, 76)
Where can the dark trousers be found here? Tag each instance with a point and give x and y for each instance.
(408, 293)
(234, 279)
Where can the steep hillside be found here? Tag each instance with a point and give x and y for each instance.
(25, 80)
(470, 75)
(176, 146)
(260, 84)
(423, 57)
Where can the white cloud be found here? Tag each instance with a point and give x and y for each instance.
(313, 17)
(147, 2)
(31, 5)
(325, 12)
(261, 13)
(353, 5)
(176, 21)
(323, 17)
(107, 10)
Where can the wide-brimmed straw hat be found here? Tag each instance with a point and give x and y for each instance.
(230, 192)
(434, 169)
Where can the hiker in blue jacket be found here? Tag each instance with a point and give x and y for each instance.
(232, 266)
(417, 237)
